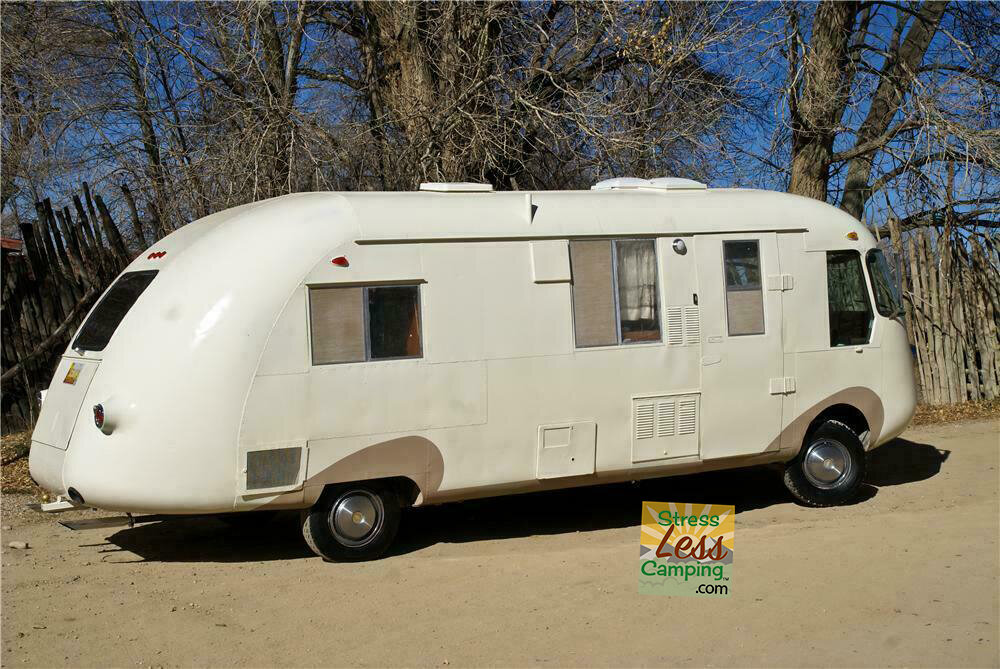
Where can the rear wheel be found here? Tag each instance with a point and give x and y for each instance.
(352, 522)
(830, 468)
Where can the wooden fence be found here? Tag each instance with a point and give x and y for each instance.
(951, 289)
(65, 263)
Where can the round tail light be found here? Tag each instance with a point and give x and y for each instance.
(99, 416)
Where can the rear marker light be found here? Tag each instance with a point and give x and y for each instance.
(156, 254)
(340, 261)
(99, 416)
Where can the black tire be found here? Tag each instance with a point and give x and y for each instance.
(830, 468)
(363, 534)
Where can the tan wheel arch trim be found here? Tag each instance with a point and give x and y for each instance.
(416, 458)
(863, 399)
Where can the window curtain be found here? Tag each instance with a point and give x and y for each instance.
(636, 279)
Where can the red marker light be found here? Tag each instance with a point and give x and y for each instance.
(99, 416)
(340, 261)
(156, 254)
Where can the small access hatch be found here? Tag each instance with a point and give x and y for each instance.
(567, 449)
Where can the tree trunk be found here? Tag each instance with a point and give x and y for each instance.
(816, 109)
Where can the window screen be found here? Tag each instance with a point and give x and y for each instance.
(850, 311)
(358, 323)
(615, 297)
(107, 316)
(593, 293)
(744, 297)
(338, 324)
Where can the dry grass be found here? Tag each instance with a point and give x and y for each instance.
(15, 477)
(950, 413)
(15, 445)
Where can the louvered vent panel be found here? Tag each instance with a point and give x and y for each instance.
(683, 326)
(687, 418)
(675, 326)
(665, 415)
(645, 420)
(664, 426)
(692, 325)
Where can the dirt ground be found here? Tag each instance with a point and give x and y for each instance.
(907, 576)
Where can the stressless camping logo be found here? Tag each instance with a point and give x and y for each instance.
(686, 549)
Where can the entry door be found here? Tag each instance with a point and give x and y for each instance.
(741, 363)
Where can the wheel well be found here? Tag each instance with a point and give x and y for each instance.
(844, 413)
(405, 487)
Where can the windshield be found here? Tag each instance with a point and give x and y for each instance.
(886, 290)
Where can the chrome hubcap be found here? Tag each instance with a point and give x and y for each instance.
(355, 517)
(826, 463)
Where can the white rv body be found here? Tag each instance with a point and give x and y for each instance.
(213, 363)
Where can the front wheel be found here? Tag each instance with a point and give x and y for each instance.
(830, 468)
(352, 522)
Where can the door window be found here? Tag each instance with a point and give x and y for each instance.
(744, 295)
(850, 310)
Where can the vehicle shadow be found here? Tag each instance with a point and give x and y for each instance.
(904, 461)
(209, 539)
(592, 508)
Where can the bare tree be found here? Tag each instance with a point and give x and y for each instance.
(505, 92)
(887, 99)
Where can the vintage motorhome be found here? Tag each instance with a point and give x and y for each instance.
(349, 354)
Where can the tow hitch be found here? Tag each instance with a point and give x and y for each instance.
(58, 505)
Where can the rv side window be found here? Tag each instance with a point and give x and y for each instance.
(615, 298)
(359, 323)
(110, 311)
(850, 311)
(393, 322)
(744, 297)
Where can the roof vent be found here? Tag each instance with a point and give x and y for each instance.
(661, 183)
(621, 182)
(456, 187)
(675, 183)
